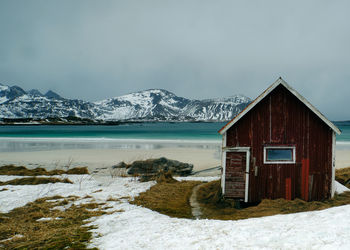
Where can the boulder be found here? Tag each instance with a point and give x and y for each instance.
(120, 165)
(154, 166)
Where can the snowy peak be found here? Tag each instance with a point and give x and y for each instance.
(8, 93)
(237, 99)
(141, 96)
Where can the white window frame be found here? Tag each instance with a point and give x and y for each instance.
(279, 147)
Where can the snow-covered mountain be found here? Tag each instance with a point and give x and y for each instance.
(148, 105)
(159, 104)
(17, 103)
(153, 104)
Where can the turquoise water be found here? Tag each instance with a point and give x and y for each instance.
(157, 131)
(127, 136)
(345, 129)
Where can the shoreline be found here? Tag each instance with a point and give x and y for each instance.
(97, 158)
(102, 139)
(109, 139)
(97, 153)
(106, 158)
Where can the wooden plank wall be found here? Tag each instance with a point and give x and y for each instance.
(235, 174)
(282, 119)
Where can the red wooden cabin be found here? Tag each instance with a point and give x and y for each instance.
(280, 146)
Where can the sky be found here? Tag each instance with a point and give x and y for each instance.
(93, 50)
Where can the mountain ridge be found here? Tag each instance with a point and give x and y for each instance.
(145, 105)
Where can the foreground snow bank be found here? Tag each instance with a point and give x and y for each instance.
(138, 227)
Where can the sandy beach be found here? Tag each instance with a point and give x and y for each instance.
(100, 158)
(342, 159)
(201, 158)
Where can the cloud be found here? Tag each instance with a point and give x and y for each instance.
(198, 49)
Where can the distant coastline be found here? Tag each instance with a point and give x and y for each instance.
(71, 120)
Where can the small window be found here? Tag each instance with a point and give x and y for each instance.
(280, 154)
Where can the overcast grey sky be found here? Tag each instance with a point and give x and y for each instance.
(92, 50)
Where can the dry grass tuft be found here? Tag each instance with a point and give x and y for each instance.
(113, 199)
(34, 181)
(214, 207)
(160, 177)
(97, 191)
(168, 198)
(23, 171)
(81, 170)
(68, 231)
(343, 176)
(165, 177)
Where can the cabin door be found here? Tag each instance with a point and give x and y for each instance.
(237, 174)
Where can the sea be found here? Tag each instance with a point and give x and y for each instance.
(150, 135)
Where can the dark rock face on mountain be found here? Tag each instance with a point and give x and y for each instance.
(52, 95)
(34, 92)
(148, 105)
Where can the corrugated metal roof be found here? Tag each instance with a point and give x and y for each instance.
(279, 81)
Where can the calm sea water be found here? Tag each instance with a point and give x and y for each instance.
(158, 131)
(139, 135)
(127, 136)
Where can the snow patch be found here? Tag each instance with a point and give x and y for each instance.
(3, 99)
(339, 188)
(48, 219)
(135, 227)
(3, 87)
(16, 236)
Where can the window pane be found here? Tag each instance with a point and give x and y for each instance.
(280, 154)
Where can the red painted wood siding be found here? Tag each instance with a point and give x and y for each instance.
(282, 119)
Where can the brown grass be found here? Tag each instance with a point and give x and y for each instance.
(165, 177)
(81, 170)
(34, 181)
(343, 176)
(23, 171)
(172, 199)
(168, 198)
(67, 232)
(113, 199)
(213, 207)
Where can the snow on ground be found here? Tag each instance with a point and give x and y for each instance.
(339, 188)
(19, 195)
(138, 227)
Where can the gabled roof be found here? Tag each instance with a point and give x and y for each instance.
(279, 81)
